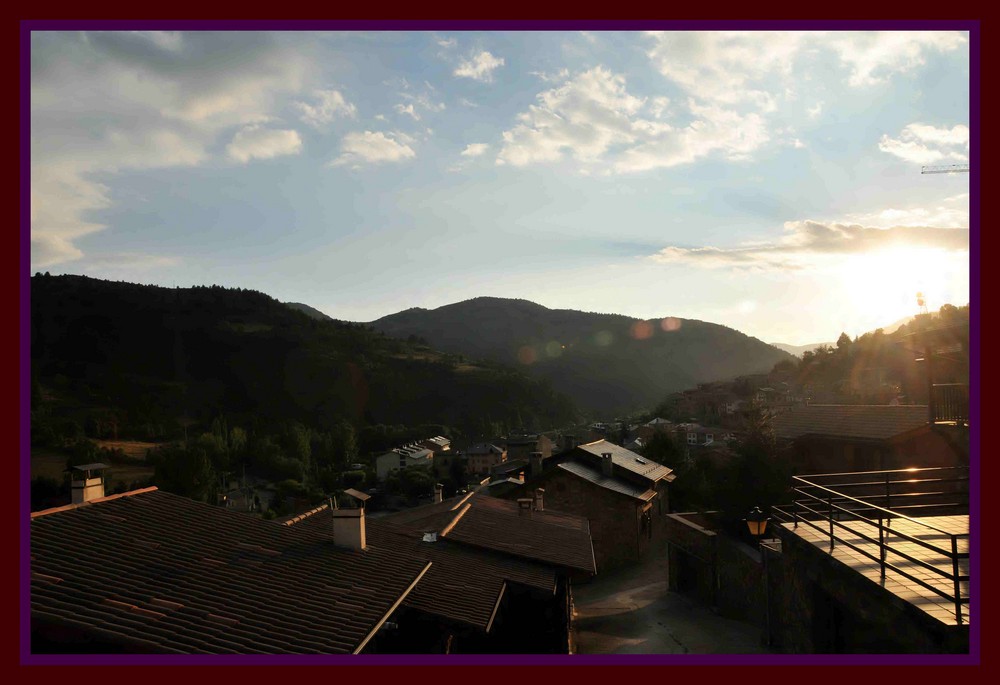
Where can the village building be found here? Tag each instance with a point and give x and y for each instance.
(407, 456)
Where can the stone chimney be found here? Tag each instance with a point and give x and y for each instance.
(87, 482)
(569, 442)
(535, 463)
(539, 505)
(606, 463)
(524, 506)
(438, 492)
(349, 528)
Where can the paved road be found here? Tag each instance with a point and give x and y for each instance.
(631, 611)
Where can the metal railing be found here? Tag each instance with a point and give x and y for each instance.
(950, 402)
(822, 503)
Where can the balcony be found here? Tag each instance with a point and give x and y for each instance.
(949, 403)
(858, 518)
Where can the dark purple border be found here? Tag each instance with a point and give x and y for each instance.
(24, 282)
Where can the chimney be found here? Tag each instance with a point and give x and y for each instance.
(606, 463)
(349, 528)
(524, 506)
(569, 442)
(87, 482)
(539, 504)
(438, 492)
(535, 462)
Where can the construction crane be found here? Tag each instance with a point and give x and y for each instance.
(944, 169)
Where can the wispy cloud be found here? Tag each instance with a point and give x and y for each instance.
(806, 240)
(373, 147)
(923, 144)
(107, 102)
(479, 67)
(475, 149)
(595, 120)
(256, 142)
(327, 105)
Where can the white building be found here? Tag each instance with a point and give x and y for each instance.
(402, 458)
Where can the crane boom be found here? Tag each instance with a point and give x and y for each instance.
(944, 169)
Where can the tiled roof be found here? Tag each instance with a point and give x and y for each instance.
(546, 536)
(490, 523)
(439, 440)
(628, 460)
(866, 422)
(182, 576)
(595, 476)
(463, 584)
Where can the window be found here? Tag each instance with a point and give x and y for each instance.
(692, 438)
(708, 438)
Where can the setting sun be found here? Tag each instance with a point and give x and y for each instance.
(882, 286)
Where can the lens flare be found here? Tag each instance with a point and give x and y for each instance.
(527, 355)
(670, 324)
(604, 338)
(641, 330)
(553, 348)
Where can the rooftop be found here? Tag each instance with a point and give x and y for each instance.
(486, 522)
(858, 421)
(595, 476)
(164, 573)
(629, 460)
(463, 584)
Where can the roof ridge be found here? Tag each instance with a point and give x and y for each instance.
(447, 529)
(304, 515)
(77, 505)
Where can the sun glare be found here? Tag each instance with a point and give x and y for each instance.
(882, 287)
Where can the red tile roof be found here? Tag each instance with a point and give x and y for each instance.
(169, 574)
(849, 421)
(547, 536)
(463, 584)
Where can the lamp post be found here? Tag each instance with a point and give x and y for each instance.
(757, 523)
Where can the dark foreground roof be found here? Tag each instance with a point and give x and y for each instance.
(163, 573)
(486, 522)
(464, 584)
(845, 421)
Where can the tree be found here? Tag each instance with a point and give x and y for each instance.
(760, 474)
(843, 342)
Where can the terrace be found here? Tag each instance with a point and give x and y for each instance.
(869, 522)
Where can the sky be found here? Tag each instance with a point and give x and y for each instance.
(767, 181)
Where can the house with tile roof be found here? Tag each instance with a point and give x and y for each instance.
(501, 579)
(622, 494)
(152, 572)
(165, 574)
(829, 438)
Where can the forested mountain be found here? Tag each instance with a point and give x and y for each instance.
(606, 362)
(150, 360)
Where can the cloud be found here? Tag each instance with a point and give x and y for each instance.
(373, 148)
(585, 116)
(873, 57)
(407, 109)
(447, 43)
(951, 212)
(107, 102)
(923, 144)
(725, 67)
(595, 120)
(479, 67)
(815, 110)
(805, 241)
(475, 149)
(255, 142)
(329, 104)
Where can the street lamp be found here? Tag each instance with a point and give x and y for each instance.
(757, 523)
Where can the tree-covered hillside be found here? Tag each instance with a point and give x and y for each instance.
(606, 362)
